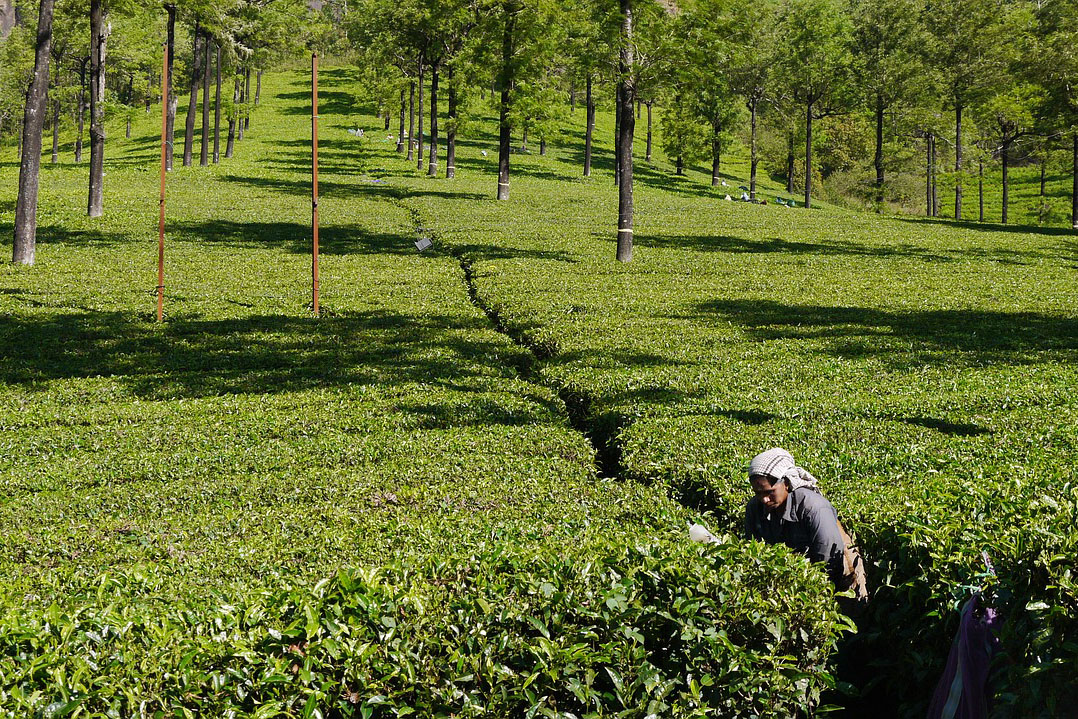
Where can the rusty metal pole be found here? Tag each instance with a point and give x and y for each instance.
(314, 177)
(161, 214)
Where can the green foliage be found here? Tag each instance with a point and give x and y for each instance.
(658, 629)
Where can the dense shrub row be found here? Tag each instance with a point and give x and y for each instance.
(665, 629)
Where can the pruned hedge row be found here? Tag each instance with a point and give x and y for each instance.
(666, 629)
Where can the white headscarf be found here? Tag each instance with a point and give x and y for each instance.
(777, 463)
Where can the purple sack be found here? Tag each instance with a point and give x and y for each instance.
(963, 691)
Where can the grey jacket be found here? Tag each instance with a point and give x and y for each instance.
(807, 523)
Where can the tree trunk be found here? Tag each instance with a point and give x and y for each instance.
(542, 145)
(55, 132)
(387, 120)
(679, 165)
(419, 114)
(400, 134)
(590, 127)
(1044, 164)
(504, 129)
(148, 99)
(625, 136)
(980, 190)
(432, 164)
(25, 243)
(451, 131)
(258, 86)
(878, 160)
(617, 134)
(789, 164)
(928, 174)
(754, 159)
(230, 145)
(411, 120)
(1004, 156)
(1074, 181)
(935, 185)
(247, 99)
(81, 111)
(958, 161)
(192, 101)
(241, 108)
(716, 154)
(524, 137)
(808, 155)
(98, 36)
(217, 111)
(572, 96)
(647, 155)
(170, 115)
(204, 151)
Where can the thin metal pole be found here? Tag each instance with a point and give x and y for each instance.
(161, 214)
(314, 177)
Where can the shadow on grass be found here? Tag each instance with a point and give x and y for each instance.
(991, 226)
(366, 188)
(857, 331)
(264, 354)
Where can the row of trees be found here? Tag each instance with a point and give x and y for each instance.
(979, 76)
(107, 56)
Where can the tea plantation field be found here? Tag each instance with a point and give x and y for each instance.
(462, 491)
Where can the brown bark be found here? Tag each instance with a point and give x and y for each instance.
(204, 150)
(419, 117)
(400, 135)
(55, 132)
(878, 159)
(25, 243)
(958, 162)
(451, 131)
(230, 145)
(808, 155)
(754, 158)
(80, 110)
(217, 111)
(411, 120)
(192, 102)
(170, 116)
(247, 99)
(504, 129)
(980, 189)
(625, 136)
(647, 155)
(1005, 158)
(590, 131)
(432, 164)
(258, 86)
(98, 37)
(617, 135)
(1074, 181)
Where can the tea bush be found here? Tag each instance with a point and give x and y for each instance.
(665, 629)
(171, 495)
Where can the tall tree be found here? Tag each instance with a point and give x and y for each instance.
(968, 38)
(33, 121)
(192, 100)
(204, 150)
(626, 99)
(816, 64)
(752, 57)
(889, 41)
(99, 32)
(1055, 67)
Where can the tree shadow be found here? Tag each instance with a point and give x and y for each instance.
(269, 354)
(330, 102)
(956, 429)
(727, 243)
(855, 332)
(990, 226)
